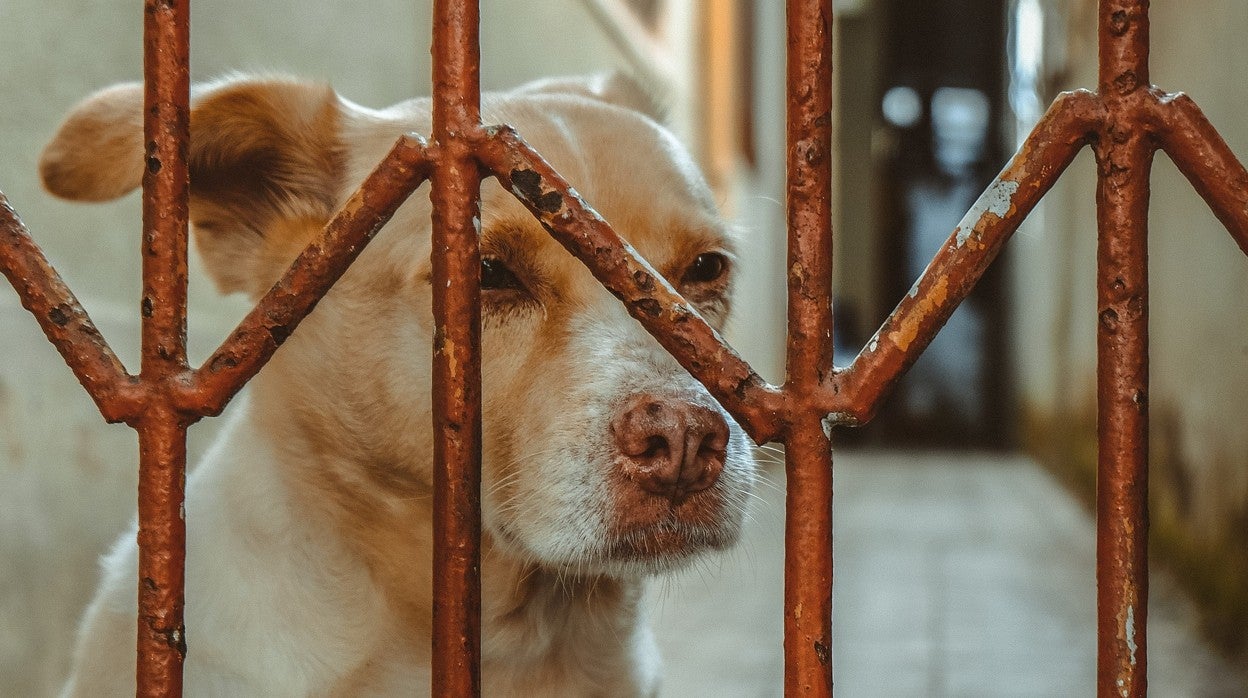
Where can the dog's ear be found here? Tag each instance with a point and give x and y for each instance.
(618, 88)
(265, 167)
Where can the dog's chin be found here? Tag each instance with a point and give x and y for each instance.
(664, 547)
(659, 548)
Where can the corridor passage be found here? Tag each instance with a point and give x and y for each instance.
(956, 575)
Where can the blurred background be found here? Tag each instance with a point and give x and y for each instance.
(964, 542)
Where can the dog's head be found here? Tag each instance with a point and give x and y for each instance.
(601, 454)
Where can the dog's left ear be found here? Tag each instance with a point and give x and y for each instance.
(618, 88)
(265, 167)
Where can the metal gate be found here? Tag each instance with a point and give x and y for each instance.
(1125, 122)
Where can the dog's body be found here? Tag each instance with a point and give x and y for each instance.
(308, 523)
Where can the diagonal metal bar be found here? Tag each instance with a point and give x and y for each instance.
(853, 395)
(309, 277)
(648, 297)
(64, 321)
(1201, 154)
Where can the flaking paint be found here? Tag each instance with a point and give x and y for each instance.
(998, 201)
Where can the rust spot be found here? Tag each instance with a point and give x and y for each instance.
(1126, 82)
(812, 151)
(176, 639)
(744, 383)
(279, 333)
(647, 306)
(58, 316)
(528, 184)
(1119, 23)
(645, 282)
(153, 162)
(926, 304)
(823, 652)
(1109, 319)
(219, 363)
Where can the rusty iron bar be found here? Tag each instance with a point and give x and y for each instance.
(64, 321)
(808, 441)
(1204, 158)
(456, 261)
(162, 429)
(648, 296)
(308, 278)
(1124, 154)
(854, 394)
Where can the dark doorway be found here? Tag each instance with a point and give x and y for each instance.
(938, 111)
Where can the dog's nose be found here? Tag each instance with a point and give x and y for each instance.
(670, 448)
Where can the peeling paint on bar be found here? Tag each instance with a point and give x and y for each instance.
(1130, 632)
(997, 200)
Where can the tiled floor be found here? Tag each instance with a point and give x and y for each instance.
(956, 575)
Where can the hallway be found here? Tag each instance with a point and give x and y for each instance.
(956, 575)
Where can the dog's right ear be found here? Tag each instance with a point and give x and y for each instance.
(265, 167)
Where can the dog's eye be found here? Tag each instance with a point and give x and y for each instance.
(707, 267)
(496, 276)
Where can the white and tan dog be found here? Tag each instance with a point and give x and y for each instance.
(309, 534)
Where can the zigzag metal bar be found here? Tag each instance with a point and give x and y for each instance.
(645, 293)
(64, 321)
(853, 395)
(309, 277)
(1201, 154)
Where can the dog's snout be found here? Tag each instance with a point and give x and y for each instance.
(668, 447)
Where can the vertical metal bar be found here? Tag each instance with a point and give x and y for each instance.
(1124, 157)
(162, 547)
(162, 431)
(808, 522)
(456, 263)
(808, 560)
(166, 131)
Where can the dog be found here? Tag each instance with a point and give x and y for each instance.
(309, 530)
